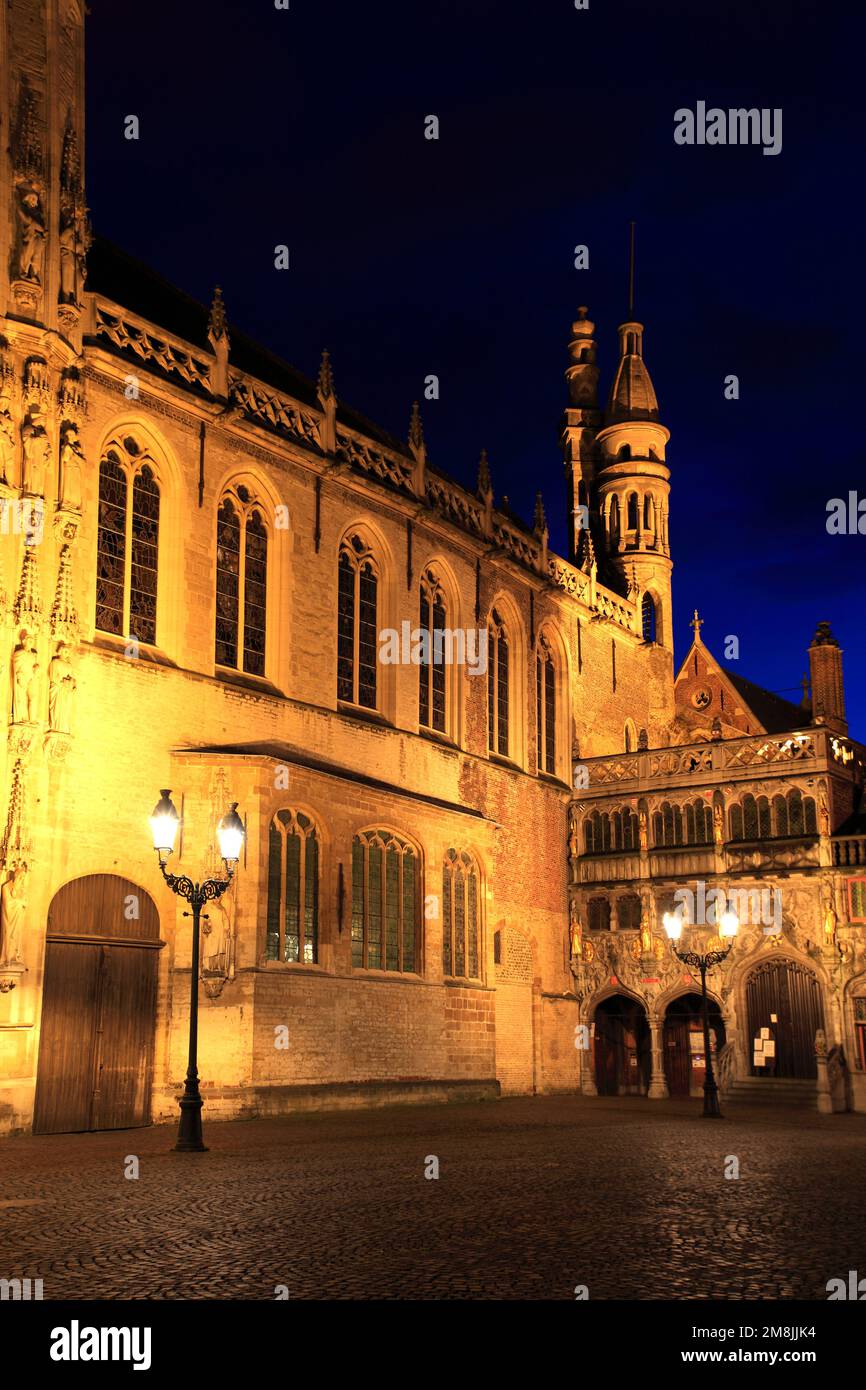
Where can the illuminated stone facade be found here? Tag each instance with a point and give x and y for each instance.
(200, 553)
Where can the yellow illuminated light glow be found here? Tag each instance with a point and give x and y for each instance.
(230, 833)
(163, 824)
(673, 925)
(730, 924)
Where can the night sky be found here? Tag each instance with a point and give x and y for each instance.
(455, 257)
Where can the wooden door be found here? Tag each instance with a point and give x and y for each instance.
(785, 997)
(98, 1008)
(678, 1056)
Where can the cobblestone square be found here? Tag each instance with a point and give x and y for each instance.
(533, 1197)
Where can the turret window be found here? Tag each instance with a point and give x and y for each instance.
(648, 618)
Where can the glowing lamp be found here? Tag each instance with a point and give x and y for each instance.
(163, 824)
(730, 923)
(230, 833)
(673, 925)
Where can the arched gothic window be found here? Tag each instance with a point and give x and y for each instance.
(293, 889)
(648, 618)
(632, 511)
(432, 689)
(736, 821)
(386, 920)
(460, 915)
(750, 818)
(780, 815)
(498, 691)
(241, 584)
(614, 520)
(127, 542)
(795, 813)
(357, 624)
(545, 706)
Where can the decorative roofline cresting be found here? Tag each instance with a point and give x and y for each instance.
(290, 419)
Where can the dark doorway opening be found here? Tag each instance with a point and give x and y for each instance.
(683, 1038)
(622, 1047)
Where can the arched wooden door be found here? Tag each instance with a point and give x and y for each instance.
(622, 1047)
(784, 998)
(98, 1007)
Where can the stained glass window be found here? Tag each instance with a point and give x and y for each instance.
(545, 708)
(127, 546)
(111, 548)
(431, 672)
(460, 916)
(293, 889)
(241, 585)
(386, 930)
(497, 686)
(357, 625)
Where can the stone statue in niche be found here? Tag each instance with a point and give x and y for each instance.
(718, 825)
(643, 831)
(25, 670)
(7, 444)
(37, 453)
(71, 460)
(217, 945)
(61, 689)
(74, 241)
(31, 233)
(13, 907)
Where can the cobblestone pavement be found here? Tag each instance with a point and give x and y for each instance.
(534, 1196)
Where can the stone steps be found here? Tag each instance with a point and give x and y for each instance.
(767, 1090)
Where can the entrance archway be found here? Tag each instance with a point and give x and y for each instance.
(783, 1003)
(98, 1007)
(685, 1064)
(622, 1047)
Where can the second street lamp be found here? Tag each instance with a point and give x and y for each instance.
(704, 961)
(230, 833)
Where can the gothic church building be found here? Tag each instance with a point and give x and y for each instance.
(201, 550)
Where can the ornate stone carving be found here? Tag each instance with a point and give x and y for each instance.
(28, 601)
(64, 619)
(16, 840)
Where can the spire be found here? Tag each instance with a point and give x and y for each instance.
(484, 488)
(217, 326)
(696, 624)
(326, 378)
(416, 429)
(631, 271)
(418, 450)
(218, 337)
(632, 396)
(539, 521)
(328, 402)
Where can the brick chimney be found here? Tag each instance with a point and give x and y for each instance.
(828, 693)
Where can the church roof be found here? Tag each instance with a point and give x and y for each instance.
(777, 715)
(132, 285)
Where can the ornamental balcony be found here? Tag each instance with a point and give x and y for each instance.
(689, 767)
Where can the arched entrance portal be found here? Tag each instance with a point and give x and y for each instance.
(783, 1000)
(685, 1063)
(622, 1047)
(98, 1007)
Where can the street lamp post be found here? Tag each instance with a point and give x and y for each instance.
(704, 961)
(230, 832)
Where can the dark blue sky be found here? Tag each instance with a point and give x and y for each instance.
(455, 257)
